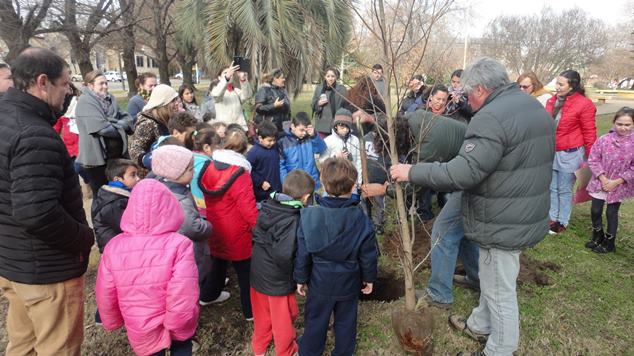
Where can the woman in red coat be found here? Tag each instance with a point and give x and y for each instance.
(576, 132)
(230, 203)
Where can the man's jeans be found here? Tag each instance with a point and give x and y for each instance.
(561, 196)
(498, 314)
(449, 243)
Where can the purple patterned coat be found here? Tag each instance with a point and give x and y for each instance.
(613, 155)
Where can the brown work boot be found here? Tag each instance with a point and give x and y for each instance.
(459, 323)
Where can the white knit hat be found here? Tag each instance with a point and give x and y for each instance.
(161, 95)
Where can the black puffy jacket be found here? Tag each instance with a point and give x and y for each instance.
(265, 106)
(44, 236)
(107, 210)
(274, 245)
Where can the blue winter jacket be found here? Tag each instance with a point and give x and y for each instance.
(336, 249)
(265, 167)
(296, 153)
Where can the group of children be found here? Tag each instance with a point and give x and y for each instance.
(211, 201)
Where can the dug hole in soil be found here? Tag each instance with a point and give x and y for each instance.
(532, 271)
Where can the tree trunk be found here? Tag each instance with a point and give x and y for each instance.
(161, 44)
(129, 44)
(81, 53)
(406, 237)
(17, 29)
(16, 45)
(186, 67)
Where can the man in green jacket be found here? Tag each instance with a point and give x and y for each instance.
(504, 169)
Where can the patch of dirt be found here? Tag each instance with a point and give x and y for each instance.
(532, 271)
(387, 288)
(422, 244)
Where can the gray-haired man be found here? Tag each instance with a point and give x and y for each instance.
(504, 169)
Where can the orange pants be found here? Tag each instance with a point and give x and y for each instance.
(273, 318)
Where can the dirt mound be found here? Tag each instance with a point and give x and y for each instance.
(533, 271)
(388, 287)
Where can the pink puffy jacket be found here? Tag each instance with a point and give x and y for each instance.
(147, 278)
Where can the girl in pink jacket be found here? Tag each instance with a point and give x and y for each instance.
(612, 163)
(147, 278)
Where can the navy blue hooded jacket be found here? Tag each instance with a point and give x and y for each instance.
(336, 249)
(265, 167)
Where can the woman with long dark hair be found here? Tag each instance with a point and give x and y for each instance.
(327, 99)
(187, 93)
(574, 115)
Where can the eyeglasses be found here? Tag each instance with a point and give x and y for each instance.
(525, 86)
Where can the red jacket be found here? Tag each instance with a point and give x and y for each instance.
(71, 140)
(230, 205)
(577, 126)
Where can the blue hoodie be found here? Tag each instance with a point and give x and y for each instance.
(299, 153)
(336, 249)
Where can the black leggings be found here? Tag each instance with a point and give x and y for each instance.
(611, 213)
(214, 283)
(96, 177)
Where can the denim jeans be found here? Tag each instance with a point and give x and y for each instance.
(498, 313)
(561, 196)
(448, 244)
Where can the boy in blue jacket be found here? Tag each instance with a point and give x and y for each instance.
(264, 157)
(336, 257)
(299, 146)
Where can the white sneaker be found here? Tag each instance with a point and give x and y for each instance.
(226, 281)
(221, 298)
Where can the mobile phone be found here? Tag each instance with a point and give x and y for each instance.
(244, 64)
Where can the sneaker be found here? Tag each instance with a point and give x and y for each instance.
(221, 298)
(425, 299)
(464, 281)
(226, 281)
(460, 323)
(466, 353)
(98, 319)
(556, 228)
(249, 319)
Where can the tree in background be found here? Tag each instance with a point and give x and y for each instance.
(21, 20)
(296, 36)
(85, 23)
(546, 44)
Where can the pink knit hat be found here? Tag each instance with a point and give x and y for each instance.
(171, 161)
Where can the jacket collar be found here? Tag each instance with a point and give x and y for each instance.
(336, 202)
(31, 103)
(497, 92)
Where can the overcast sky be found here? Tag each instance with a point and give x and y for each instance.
(483, 11)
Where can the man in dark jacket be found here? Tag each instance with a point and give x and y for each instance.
(45, 240)
(274, 244)
(336, 257)
(504, 169)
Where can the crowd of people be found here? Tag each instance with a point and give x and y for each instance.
(293, 203)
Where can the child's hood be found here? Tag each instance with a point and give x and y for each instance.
(218, 177)
(233, 158)
(333, 228)
(152, 209)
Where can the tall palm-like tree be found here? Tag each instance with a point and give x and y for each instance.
(295, 35)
